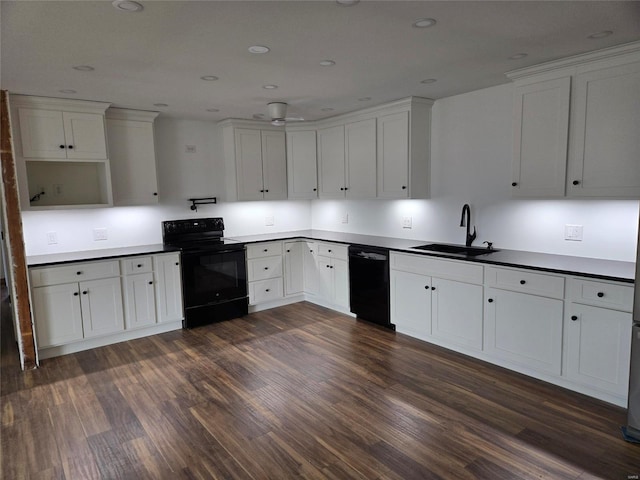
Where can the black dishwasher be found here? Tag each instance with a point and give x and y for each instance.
(369, 284)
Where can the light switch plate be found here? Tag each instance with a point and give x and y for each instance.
(573, 232)
(52, 238)
(345, 218)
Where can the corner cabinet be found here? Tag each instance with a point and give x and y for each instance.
(594, 150)
(255, 161)
(132, 156)
(61, 152)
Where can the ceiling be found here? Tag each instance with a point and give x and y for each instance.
(158, 55)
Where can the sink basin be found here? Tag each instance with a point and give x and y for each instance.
(457, 249)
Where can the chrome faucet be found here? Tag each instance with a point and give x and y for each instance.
(470, 236)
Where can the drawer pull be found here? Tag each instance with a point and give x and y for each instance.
(266, 289)
(426, 287)
(84, 292)
(522, 282)
(329, 250)
(433, 288)
(265, 250)
(139, 265)
(288, 251)
(574, 317)
(330, 266)
(266, 268)
(78, 273)
(514, 184)
(600, 294)
(70, 147)
(490, 300)
(177, 263)
(75, 294)
(150, 283)
(62, 147)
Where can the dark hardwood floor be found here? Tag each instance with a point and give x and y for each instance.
(298, 392)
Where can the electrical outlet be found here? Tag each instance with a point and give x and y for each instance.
(190, 149)
(345, 218)
(57, 189)
(406, 222)
(573, 232)
(269, 221)
(52, 238)
(100, 234)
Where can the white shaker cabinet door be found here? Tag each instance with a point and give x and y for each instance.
(85, 136)
(274, 165)
(57, 314)
(393, 155)
(541, 138)
(606, 142)
(302, 164)
(42, 133)
(140, 300)
(331, 162)
(598, 348)
(340, 269)
(168, 287)
(101, 304)
(360, 159)
(248, 148)
(311, 268)
(411, 303)
(294, 267)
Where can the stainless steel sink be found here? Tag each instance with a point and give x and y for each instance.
(456, 249)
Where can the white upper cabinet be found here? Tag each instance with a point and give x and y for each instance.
(360, 159)
(576, 126)
(132, 156)
(331, 162)
(540, 144)
(62, 135)
(255, 161)
(605, 159)
(302, 164)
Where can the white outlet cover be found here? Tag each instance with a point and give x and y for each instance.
(573, 232)
(407, 222)
(100, 234)
(52, 238)
(269, 221)
(345, 218)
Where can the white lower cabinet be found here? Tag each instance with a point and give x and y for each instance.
(598, 335)
(411, 303)
(456, 312)
(524, 329)
(264, 272)
(87, 304)
(294, 267)
(333, 274)
(310, 268)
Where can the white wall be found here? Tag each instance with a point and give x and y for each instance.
(471, 163)
(181, 175)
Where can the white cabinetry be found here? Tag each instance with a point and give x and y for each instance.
(540, 144)
(598, 335)
(256, 163)
(168, 284)
(76, 301)
(331, 162)
(333, 274)
(61, 152)
(264, 272)
(523, 318)
(601, 89)
(310, 268)
(132, 156)
(302, 165)
(294, 267)
(606, 145)
(425, 299)
(139, 292)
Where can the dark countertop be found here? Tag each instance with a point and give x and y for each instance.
(563, 264)
(67, 257)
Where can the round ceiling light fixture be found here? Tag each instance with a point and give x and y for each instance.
(603, 34)
(327, 63)
(160, 105)
(209, 78)
(213, 110)
(258, 49)
(84, 68)
(427, 81)
(347, 3)
(364, 99)
(270, 87)
(67, 90)
(518, 56)
(327, 109)
(424, 22)
(128, 6)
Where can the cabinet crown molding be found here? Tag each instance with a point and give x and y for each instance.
(68, 105)
(255, 124)
(627, 49)
(127, 114)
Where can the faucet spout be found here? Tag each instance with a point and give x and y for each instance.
(465, 220)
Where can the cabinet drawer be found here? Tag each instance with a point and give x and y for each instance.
(524, 281)
(76, 272)
(267, 249)
(333, 251)
(262, 268)
(424, 265)
(265, 290)
(601, 294)
(133, 265)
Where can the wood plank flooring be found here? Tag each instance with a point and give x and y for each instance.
(298, 392)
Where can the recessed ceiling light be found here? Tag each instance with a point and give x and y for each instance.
(347, 3)
(327, 63)
(595, 36)
(128, 6)
(67, 90)
(258, 49)
(327, 109)
(84, 68)
(209, 78)
(424, 22)
(213, 110)
(160, 105)
(270, 87)
(426, 81)
(518, 56)
(364, 99)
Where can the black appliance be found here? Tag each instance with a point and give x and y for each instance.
(214, 274)
(369, 284)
